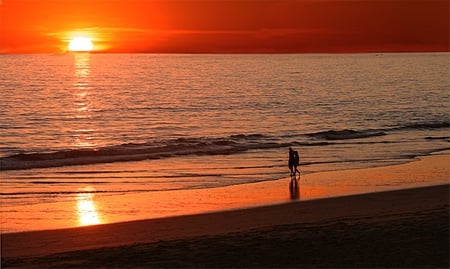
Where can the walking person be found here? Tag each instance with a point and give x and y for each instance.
(294, 161)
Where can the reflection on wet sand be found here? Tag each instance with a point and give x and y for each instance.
(86, 209)
(294, 189)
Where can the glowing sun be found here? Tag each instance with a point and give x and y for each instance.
(81, 44)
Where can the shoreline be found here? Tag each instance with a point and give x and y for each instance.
(426, 171)
(420, 207)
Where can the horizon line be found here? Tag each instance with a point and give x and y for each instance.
(234, 52)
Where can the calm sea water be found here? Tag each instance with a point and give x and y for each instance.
(125, 123)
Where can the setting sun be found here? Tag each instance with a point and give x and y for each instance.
(80, 44)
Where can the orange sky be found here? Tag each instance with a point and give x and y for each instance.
(35, 26)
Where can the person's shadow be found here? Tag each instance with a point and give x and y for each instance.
(294, 189)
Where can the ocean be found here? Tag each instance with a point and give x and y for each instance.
(106, 125)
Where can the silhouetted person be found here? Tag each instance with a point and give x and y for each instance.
(294, 161)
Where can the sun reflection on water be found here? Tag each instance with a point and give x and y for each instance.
(86, 209)
(82, 136)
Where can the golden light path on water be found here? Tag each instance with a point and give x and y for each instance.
(82, 136)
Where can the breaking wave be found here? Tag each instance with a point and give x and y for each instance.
(136, 152)
(345, 134)
(355, 134)
(233, 144)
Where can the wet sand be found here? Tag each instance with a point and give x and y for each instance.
(405, 228)
(101, 209)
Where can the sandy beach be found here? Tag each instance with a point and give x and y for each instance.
(405, 228)
(336, 226)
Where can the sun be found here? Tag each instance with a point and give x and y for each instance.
(81, 44)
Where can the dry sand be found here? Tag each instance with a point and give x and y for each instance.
(406, 228)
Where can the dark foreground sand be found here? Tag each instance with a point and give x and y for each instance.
(407, 228)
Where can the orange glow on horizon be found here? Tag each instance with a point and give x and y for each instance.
(36, 26)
